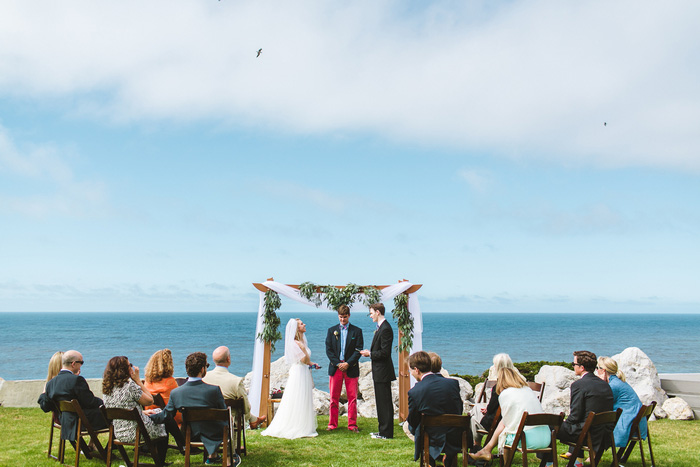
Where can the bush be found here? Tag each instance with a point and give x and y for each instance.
(527, 369)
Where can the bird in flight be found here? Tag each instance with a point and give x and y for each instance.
(604, 123)
(259, 52)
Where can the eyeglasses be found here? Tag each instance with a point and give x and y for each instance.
(78, 361)
(207, 365)
(575, 364)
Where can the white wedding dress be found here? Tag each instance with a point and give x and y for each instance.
(295, 416)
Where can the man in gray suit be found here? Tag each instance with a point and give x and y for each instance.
(197, 394)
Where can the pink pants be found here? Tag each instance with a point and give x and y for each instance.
(336, 387)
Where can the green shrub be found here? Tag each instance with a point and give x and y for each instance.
(527, 369)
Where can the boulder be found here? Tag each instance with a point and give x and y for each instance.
(322, 402)
(465, 392)
(678, 409)
(557, 395)
(641, 374)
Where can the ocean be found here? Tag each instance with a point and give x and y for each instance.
(466, 342)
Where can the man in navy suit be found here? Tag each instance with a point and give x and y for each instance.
(196, 393)
(433, 394)
(382, 371)
(343, 344)
(68, 385)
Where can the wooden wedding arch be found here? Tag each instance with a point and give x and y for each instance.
(403, 377)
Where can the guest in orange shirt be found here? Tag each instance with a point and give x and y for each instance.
(159, 377)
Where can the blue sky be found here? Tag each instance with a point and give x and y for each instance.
(510, 156)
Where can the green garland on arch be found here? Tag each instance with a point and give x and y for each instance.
(404, 321)
(334, 297)
(271, 321)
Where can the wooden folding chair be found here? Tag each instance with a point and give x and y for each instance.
(585, 440)
(238, 424)
(55, 423)
(486, 388)
(458, 422)
(537, 388)
(84, 429)
(623, 453)
(492, 429)
(547, 419)
(191, 414)
(142, 437)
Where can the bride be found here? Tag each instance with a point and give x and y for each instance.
(295, 417)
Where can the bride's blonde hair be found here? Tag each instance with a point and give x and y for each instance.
(298, 336)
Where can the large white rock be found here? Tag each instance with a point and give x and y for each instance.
(678, 409)
(322, 402)
(641, 374)
(557, 395)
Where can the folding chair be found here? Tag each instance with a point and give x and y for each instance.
(142, 437)
(84, 429)
(623, 453)
(459, 422)
(171, 426)
(191, 414)
(55, 423)
(488, 385)
(492, 428)
(585, 440)
(551, 420)
(238, 424)
(537, 388)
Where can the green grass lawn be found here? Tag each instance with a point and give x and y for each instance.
(24, 440)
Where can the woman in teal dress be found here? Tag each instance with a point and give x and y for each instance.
(625, 399)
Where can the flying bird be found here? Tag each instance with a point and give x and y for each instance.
(259, 52)
(604, 123)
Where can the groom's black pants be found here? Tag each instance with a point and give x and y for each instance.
(385, 408)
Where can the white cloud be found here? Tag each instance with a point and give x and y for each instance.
(49, 184)
(478, 180)
(523, 79)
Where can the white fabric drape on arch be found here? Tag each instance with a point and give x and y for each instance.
(388, 293)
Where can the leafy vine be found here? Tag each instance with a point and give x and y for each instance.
(271, 321)
(404, 321)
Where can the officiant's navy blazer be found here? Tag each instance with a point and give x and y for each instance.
(351, 355)
(435, 395)
(197, 394)
(380, 354)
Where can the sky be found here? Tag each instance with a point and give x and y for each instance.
(530, 156)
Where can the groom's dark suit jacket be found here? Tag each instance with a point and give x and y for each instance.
(66, 386)
(380, 354)
(435, 395)
(197, 394)
(350, 355)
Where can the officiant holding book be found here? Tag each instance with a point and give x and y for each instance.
(343, 344)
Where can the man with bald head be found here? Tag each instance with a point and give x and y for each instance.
(230, 384)
(68, 385)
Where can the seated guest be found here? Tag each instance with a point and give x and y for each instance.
(123, 389)
(436, 365)
(195, 393)
(482, 418)
(588, 394)
(68, 385)
(433, 395)
(624, 398)
(231, 385)
(515, 397)
(159, 377)
(55, 364)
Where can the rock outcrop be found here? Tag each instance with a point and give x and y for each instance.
(557, 395)
(678, 409)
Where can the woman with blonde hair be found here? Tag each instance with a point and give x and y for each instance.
(159, 377)
(296, 417)
(515, 397)
(488, 413)
(624, 397)
(55, 365)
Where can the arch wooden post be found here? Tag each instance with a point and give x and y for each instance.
(265, 386)
(404, 382)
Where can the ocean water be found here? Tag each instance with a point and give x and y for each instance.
(466, 342)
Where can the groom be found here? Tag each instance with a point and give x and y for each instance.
(382, 371)
(343, 344)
